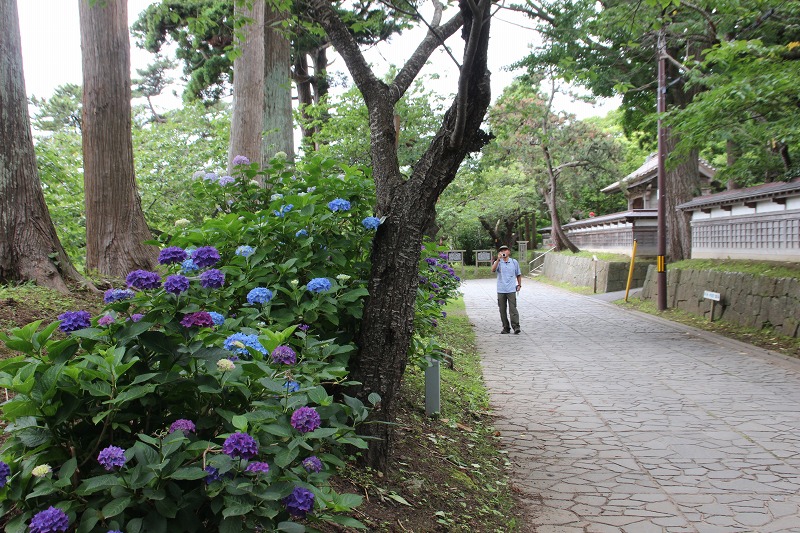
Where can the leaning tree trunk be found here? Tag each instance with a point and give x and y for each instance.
(261, 123)
(29, 246)
(408, 204)
(560, 239)
(115, 223)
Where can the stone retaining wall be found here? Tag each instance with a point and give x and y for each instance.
(611, 275)
(745, 299)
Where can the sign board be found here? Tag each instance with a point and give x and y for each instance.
(456, 256)
(709, 295)
(484, 257)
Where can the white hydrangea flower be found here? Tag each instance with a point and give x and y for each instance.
(342, 277)
(182, 223)
(225, 365)
(42, 471)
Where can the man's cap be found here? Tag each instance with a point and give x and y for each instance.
(504, 247)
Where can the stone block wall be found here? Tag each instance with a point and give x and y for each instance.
(745, 299)
(611, 275)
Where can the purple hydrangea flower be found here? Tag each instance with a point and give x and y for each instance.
(312, 464)
(182, 424)
(301, 233)
(114, 531)
(299, 502)
(50, 520)
(431, 261)
(225, 180)
(245, 251)
(105, 320)
(319, 285)
(74, 320)
(291, 386)
(115, 295)
(305, 419)
(171, 255)
(444, 314)
(284, 355)
(240, 445)
(5, 473)
(205, 256)
(143, 279)
(111, 457)
(218, 318)
(176, 284)
(240, 160)
(259, 295)
(434, 322)
(210, 176)
(239, 342)
(200, 319)
(303, 327)
(212, 474)
(212, 279)
(189, 266)
(257, 467)
(443, 255)
(136, 317)
(371, 223)
(339, 204)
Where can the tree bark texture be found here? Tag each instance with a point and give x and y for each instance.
(683, 184)
(507, 235)
(115, 223)
(29, 246)
(262, 98)
(407, 204)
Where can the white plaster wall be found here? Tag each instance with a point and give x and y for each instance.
(742, 210)
(764, 255)
(769, 207)
(793, 203)
(699, 215)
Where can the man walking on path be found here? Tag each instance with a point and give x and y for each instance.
(509, 282)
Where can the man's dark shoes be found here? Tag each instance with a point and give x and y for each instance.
(505, 332)
(516, 332)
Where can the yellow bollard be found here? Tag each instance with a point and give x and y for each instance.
(630, 271)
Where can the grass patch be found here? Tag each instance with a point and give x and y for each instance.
(602, 256)
(772, 269)
(482, 272)
(578, 289)
(448, 474)
(764, 338)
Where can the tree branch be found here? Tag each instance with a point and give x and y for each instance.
(533, 11)
(436, 35)
(704, 14)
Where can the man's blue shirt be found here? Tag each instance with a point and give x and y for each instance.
(507, 272)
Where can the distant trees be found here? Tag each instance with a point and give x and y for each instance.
(29, 246)
(115, 226)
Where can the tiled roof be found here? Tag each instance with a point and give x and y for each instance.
(779, 189)
(649, 171)
(623, 216)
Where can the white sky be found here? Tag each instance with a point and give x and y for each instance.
(51, 51)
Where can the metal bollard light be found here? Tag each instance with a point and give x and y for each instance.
(432, 388)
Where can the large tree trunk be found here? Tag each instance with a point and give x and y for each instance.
(560, 239)
(683, 184)
(408, 205)
(29, 246)
(115, 224)
(507, 236)
(262, 98)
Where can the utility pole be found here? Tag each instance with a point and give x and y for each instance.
(661, 266)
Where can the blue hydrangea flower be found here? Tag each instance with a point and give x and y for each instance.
(171, 255)
(225, 180)
(205, 256)
(240, 445)
(240, 160)
(218, 318)
(188, 266)
(111, 457)
(239, 342)
(212, 279)
(51, 520)
(5, 473)
(371, 223)
(299, 502)
(116, 295)
(259, 295)
(245, 251)
(212, 475)
(301, 233)
(290, 386)
(143, 280)
(339, 204)
(210, 177)
(176, 284)
(74, 320)
(319, 285)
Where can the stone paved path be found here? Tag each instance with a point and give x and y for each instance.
(619, 422)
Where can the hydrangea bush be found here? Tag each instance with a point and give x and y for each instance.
(198, 400)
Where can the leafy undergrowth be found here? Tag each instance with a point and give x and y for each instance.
(448, 473)
(764, 338)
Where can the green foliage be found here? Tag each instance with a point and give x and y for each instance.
(772, 269)
(61, 112)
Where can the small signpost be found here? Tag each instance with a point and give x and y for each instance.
(714, 297)
(483, 256)
(432, 387)
(457, 256)
(522, 252)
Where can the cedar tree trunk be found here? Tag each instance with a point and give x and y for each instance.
(407, 204)
(115, 224)
(29, 246)
(262, 98)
